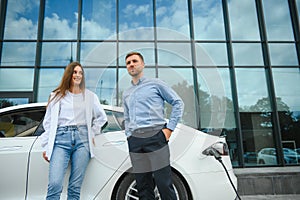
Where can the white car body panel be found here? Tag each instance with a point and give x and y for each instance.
(203, 174)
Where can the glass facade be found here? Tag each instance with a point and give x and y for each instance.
(235, 63)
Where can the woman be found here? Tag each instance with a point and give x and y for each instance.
(73, 117)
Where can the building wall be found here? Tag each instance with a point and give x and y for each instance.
(235, 63)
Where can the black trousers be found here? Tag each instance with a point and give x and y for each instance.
(150, 157)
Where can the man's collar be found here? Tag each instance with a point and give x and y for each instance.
(139, 81)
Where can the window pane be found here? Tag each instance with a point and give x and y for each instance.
(208, 20)
(172, 15)
(10, 79)
(98, 19)
(174, 54)
(58, 54)
(288, 105)
(146, 49)
(98, 54)
(278, 24)
(181, 80)
(59, 22)
(18, 54)
(255, 116)
(216, 110)
(247, 54)
(49, 79)
(298, 6)
(6, 102)
(21, 19)
(133, 16)
(103, 83)
(283, 54)
(212, 54)
(243, 20)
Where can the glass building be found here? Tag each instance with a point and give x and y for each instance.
(235, 63)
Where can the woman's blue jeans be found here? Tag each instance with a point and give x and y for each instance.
(71, 145)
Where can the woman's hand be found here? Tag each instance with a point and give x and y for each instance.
(45, 157)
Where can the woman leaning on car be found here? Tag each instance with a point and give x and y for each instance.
(72, 118)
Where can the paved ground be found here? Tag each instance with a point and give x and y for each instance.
(272, 197)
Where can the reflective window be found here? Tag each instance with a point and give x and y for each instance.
(278, 24)
(133, 16)
(216, 109)
(145, 48)
(6, 102)
(18, 54)
(98, 19)
(21, 19)
(208, 20)
(16, 79)
(181, 80)
(49, 79)
(298, 6)
(174, 54)
(243, 20)
(103, 83)
(287, 88)
(211, 54)
(283, 54)
(59, 22)
(247, 54)
(98, 53)
(172, 15)
(255, 115)
(58, 53)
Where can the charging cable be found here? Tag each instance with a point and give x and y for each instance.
(213, 152)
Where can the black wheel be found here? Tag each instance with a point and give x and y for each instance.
(261, 162)
(127, 189)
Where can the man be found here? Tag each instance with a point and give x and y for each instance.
(147, 131)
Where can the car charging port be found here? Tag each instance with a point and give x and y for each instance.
(217, 150)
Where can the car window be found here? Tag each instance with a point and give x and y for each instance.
(115, 120)
(20, 123)
(114, 123)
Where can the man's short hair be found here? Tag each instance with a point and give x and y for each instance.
(134, 53)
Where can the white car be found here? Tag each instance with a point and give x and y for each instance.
(200, 162)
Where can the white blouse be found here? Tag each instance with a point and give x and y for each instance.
(72, 110)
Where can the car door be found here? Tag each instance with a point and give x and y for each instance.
(14, 152)
(17, 126)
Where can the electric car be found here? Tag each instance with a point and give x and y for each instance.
(201, 166)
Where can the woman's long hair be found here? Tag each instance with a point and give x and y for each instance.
(66, 81)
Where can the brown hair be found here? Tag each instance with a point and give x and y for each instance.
(134, 53)
(65, 83)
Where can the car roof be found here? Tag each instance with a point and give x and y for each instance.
(43, 104)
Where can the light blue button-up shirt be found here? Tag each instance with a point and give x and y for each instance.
(144, 105)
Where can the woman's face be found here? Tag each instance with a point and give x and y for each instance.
(77, 76)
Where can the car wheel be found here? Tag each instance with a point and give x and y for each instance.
(127, 189)
(261, 162)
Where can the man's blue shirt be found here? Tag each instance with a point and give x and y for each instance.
(144, 105)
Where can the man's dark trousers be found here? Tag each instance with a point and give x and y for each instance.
(150, 157)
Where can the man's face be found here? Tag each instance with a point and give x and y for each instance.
(134, 65)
